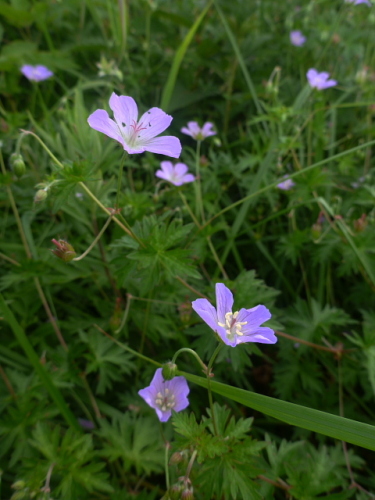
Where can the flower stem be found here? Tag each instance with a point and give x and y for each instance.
(198, 191)
(119, 180)
(125, 316)
(95, 241)
(166, 464)
(193, 353)
(29, 256)
(211, 362)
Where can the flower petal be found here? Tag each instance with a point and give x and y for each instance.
(165, 145)
(180, 389)
(153, 123)
(207, 129)
(125, 111)
(207, 312)
(192, 129)
(100, 120)
(180, 169)
(254, 318)
(263, 335)
(224, 301)
(167, 167)
(188, 178)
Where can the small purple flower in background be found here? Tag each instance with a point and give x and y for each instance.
(296, 38)
(36, 73)
(175, 174)
(86, 424)
(319, 80)
(136, 136)
(238, 327)
(357, 2)
(197, 133)
(286, 185)
(166, 395)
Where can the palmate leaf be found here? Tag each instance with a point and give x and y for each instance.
(76, 466)
(135, 441)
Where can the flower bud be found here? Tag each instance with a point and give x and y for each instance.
(169, 370)
(17, 164)
(63, 250)
(187, 494)
(19, 485)
(40, 196)
(175, 492)
(360, 224)
(176, 458)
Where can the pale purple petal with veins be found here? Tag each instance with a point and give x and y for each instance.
(138, 136)
(100, 121)
(166, 395)
(224, 301)
(238, 327)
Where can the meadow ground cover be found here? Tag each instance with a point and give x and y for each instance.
(187, 249)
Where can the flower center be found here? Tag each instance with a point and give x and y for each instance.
(232, 326)
(137, 127)
(165, 401)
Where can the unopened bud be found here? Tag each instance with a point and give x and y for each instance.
(176, 458)
(63, 250)
(175, 492)
(40, 196)
(187, 494)
(19, 485)
(169, 370)
(17, 164)
(316, 230)
(360, 224)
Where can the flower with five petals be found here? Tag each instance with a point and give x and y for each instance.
(136, 136)
(238, 327)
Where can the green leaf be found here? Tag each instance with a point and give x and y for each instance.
(321, 422)
(38, 367)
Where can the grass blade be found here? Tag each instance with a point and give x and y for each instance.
(178, 58)
(38, 367)
(333, 426)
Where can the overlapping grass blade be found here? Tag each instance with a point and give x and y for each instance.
(333, 426)
(178, 58)
(38, 367)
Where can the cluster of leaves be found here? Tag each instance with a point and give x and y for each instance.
(307, 254)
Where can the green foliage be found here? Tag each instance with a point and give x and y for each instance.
(72, 424)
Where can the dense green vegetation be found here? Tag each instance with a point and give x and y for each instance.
(79, 338)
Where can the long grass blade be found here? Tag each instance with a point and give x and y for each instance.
(333, 426)
(38, 367)
(178, 58)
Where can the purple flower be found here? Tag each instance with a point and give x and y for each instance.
(175, 174)
(136, 136)
(319, 80)
(357, 2)
(166, 395)
(286, 185)
(238, 327)
(36, 73)
(296, 38)
(197, 133)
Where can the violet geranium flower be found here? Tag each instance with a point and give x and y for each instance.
(238, 327)
(357, 2)
(136, 136)
(36, 73)
(318, 80)
(286, 185)
(296, 38)
(197, 133)
(166, 395)
(175, 174)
